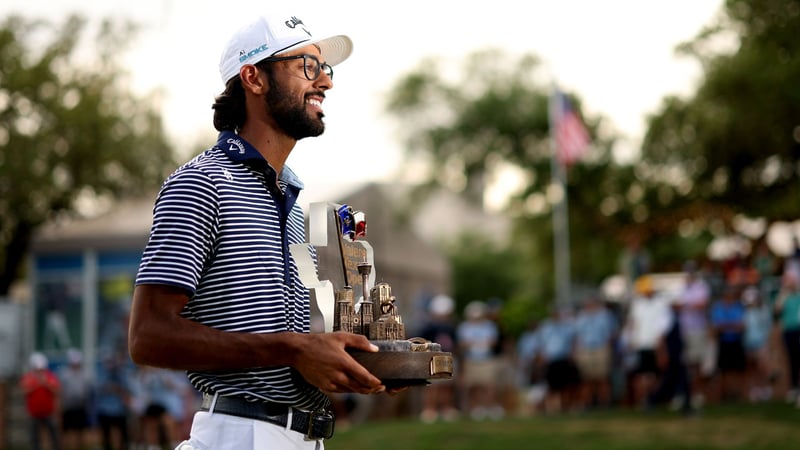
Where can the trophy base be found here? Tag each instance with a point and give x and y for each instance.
(406, 363)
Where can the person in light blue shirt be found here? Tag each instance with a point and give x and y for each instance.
(114, 394)
(476, 338)
(787, 305)
(528, 346)
(727, 321)
(557, 340)
(595, 331)
(757, 326)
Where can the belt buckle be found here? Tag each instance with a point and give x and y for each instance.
(320, 425)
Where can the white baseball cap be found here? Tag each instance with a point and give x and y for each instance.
(38, 361)
(272, 35)
(442, 305)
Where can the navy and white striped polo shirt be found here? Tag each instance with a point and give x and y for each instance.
(222, 231)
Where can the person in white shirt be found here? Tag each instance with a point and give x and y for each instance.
(648, 319)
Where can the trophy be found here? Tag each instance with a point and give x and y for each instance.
(348, 299)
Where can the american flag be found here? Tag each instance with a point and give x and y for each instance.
(570, 137)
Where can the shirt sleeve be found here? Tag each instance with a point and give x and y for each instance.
(185, 223)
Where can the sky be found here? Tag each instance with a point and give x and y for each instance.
(616, 55)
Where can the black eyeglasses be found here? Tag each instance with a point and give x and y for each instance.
(311, 65)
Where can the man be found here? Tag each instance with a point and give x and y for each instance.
(41, 389)
(557, 340)
(114, 396)
(439, 399)
(596, 329)
(787, 310)
(674, 384)
(727, 321)
(647, 321)
(695, 299)
(476, 336)
(218, 293)
(76, 395)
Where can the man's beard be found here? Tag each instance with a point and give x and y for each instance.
(292, 118)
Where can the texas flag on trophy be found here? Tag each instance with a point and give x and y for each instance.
(570, 137)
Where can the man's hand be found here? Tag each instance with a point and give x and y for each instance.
(396, 390)
(323, 361)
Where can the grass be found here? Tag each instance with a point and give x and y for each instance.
(763, 426)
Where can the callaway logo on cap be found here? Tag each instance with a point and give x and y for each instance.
(269, 36)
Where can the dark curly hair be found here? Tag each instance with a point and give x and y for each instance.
(229, 107)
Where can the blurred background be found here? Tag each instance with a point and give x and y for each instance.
(529, 157)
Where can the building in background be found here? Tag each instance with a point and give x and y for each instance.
(82, 271)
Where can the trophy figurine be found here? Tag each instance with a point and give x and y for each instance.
(347, 303)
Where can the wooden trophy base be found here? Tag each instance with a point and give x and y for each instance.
(406, 362)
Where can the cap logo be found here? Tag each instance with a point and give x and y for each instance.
(294, 22)
(245, 56)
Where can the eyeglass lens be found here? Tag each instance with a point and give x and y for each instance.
(312, 67)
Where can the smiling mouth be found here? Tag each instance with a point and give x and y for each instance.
(316, 105)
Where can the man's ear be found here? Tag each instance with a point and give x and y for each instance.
(252, 81)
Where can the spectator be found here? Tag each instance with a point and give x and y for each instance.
(792, 262)
(764, 262)
(531, 381)
(787, 306)
(695, 299)
(757, 327)
(634, 262)
(76, 397)
(742, 272)
(557, 339)
(647, 321)
(41, 389)
(596, 329)
(727, 321)
(674, 384)
(163, 396)
(502, 351)
(439, 398)
(476, 336)
(768, 268)
(113, 399)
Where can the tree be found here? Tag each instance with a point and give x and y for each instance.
(475, 261)
(70, 130)
(471, 131)
(732, 148)
(468, 129)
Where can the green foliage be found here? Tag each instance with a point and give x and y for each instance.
(730, 150)
(495, 112)
(480, 270)
(471, 127)
(70, 130)
(736, 142)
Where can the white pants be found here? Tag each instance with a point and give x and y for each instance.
(214, 431)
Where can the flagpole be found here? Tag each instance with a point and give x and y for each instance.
(561, 248)
(570, 140)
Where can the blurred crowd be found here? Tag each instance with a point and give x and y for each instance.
(125, 407)
(727, 331)
(721, 331)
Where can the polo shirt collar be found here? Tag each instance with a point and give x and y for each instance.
(241, 151)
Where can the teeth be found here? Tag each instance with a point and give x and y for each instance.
(315, 102)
